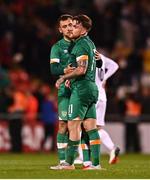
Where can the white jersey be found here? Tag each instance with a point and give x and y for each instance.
(109, 67)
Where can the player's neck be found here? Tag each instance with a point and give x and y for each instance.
(83, 35)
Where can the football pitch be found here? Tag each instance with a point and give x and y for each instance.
(35, 166)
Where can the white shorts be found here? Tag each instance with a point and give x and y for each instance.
(100, 112)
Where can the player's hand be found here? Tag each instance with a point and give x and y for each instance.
(59, 82)
(67, 83)
(97, 55)
(69, 69)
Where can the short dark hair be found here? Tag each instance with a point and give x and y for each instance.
(84, 20)
(64, 17)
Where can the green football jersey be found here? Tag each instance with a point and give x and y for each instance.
(59, 56)
(59, 59)
(84, 48)
(84, 92)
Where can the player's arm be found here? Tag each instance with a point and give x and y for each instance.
(81, 58)
(55, 65)
(82, 64)
(68, 69)
(111, 67)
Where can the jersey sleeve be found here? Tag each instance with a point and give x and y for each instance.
(110, 65)
(81, 53)
(55, 65)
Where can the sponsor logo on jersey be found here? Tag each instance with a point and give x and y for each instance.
(64, 113)
(65, 51)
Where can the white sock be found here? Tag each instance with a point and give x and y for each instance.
(80, 149)
(87, 163)
(105, 139)
(62, 161)
(80, 152)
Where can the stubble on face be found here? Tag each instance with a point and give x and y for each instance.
(66, 28)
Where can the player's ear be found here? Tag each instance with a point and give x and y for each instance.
(84, 31)
(60, 30)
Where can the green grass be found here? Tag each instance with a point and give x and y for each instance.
(35, 166)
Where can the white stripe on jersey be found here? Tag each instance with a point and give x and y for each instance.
(55, 60)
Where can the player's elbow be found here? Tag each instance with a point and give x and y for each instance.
(116, 66)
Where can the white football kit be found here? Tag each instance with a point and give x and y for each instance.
(109, 67)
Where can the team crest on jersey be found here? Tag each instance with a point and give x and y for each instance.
(65, 51)
(64, 113)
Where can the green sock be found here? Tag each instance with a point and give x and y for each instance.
(85, 146)
(94, 146)
(72, 149)
(62, 141)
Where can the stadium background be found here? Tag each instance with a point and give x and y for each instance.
(28, 29)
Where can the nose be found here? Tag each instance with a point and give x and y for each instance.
(70, 28)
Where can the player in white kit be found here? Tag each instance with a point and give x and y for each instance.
(107, 69)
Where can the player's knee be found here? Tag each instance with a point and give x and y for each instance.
(89, 124)
(74, 126)
(62, 127)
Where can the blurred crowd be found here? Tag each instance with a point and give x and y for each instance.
(28, 112)
(28, 29)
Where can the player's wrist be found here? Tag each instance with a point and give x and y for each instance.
(63, 78)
